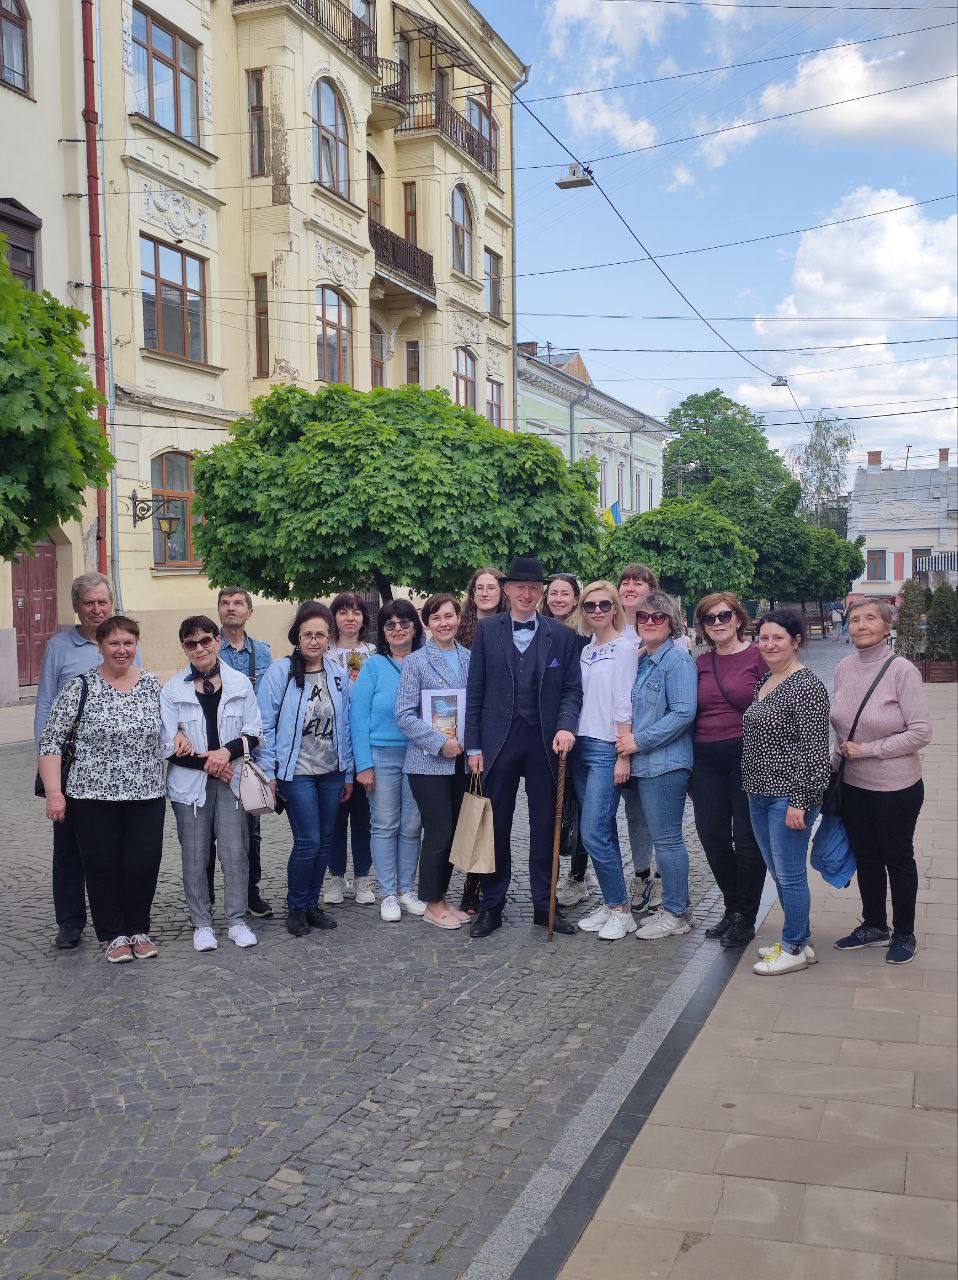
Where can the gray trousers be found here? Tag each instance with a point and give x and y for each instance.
(222, 817)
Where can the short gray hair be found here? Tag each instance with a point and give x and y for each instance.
(88, 582)
(662, 602)
(886, 610)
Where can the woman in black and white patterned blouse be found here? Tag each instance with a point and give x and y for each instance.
(785, 770)
(115, 791)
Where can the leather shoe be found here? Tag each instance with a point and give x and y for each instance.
(722, 927)
(296, 924)
(68, 937)
(738, 934)
(486, 922)
(561, 924)
(319, 919)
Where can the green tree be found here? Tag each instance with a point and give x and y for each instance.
(942, 641)
(716, 438)
(832, 566)
(773, 530)
(693, 549)
(318, 492)
(909, 636)
(820, 464)
(50, 440)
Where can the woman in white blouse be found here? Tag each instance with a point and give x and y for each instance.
(608, 665)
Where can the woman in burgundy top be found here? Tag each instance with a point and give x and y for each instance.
(728, 672)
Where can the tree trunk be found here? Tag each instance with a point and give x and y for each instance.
(384, 587)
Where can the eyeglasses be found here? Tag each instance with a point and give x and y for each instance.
(723, 616)
(206, 642)
(597, 606)
(312, 637)
(397, 624)
(642, 616)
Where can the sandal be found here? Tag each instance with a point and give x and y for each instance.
(445, 920)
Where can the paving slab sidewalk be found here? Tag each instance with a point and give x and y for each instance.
(810, 1131)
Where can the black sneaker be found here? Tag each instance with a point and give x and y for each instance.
(738, 934)
(723, 925)
(259, 907)
(319, 919)
(296, 924)
(902, 949)
(68, 937)
(864, 936)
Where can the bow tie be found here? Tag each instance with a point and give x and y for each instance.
(524, 626)
(205, 676)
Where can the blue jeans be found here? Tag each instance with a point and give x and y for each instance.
(312, 803)
(593, 762)
(786, 855)
(663, 803)
(396, 828)
(640, 842)
(356, 814)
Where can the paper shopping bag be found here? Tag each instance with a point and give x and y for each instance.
(473, 847)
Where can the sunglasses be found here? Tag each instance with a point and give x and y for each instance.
(642, 616)
(397, 624)
(723, 616)
(597, 606)
(206, 642)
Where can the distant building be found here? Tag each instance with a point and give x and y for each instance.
(906, 517)
(557, 400)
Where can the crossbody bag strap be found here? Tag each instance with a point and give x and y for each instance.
(252, 662)
(721, 687)
(72, 731)
(871, 689)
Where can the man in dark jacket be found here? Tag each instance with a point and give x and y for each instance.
(523, 700)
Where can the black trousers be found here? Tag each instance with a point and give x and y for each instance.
(69, 894)
(121, 843)
(255, 864)
(523, 755)
(724, 826)
(881, 832)
(439, 797)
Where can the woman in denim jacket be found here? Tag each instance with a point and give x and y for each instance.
(656, 732)
(307, 747)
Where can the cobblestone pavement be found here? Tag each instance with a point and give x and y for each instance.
(358, 1104)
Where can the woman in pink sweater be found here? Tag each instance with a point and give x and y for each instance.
(882, 789)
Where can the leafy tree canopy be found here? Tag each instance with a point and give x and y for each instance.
(773, 530)
(909, 635)
(50, 440)
(720, 439)
(833, 565)
(692, 547)
(820, 464)
(318, 492)
(942, 639)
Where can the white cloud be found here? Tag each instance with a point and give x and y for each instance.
(901, 264)
(581, 26)
(682, 176)
(593, 115)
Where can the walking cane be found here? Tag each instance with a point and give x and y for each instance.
(556, 838)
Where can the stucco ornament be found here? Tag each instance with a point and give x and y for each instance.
(494, 360)
(468, 328)
(127, 29)
(171, 209)
(334, 261)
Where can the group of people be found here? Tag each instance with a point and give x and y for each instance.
(371, 739)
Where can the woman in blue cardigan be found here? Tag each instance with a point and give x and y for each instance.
(380, 753)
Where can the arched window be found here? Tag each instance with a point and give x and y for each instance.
(461, 232)
(477, 113)
(465, 378)
(330, 139)
(172, 480)
(377, 355)
(374, 190)
(13, 45)
(334, 337)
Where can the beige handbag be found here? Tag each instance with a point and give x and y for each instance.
(473, 845)
(256, 794)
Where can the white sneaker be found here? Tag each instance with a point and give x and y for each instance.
(389, 909)
(335, 891)
(363, 888)
(663, 925)
(242, 935)
(778, 960)
(569, 892)
(810, 956)
(594, 921)
(619, 924)
(409, 902)
(204, 939)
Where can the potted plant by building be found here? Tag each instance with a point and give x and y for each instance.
(941, 642)
(909, 633)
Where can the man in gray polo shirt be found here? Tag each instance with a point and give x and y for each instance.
(68, 654)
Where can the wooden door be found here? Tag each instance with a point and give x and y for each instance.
(34, 608)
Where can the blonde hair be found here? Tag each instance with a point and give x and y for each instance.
(579, 620)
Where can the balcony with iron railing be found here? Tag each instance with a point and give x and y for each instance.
(390, 104)
(431, 111)
(338, 21)
(402, 257)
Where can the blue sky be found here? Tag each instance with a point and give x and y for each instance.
(885, 151)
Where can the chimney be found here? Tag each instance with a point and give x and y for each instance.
(529, 349)
(874, 459)
(943, 459)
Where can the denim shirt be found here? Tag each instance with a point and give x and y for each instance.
(284, 707)
(254, 654)
(664, 698)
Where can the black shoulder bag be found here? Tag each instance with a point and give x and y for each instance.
(280, 802)
(68, 752)
(832, 799)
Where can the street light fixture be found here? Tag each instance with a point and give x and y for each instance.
(780, 381)
(577, 175)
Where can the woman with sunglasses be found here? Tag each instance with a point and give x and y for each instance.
(655, 733)
(727, 675)
(608, 666)
(379, 748)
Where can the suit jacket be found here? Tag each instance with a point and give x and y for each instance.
(424, 669)
(491, 690)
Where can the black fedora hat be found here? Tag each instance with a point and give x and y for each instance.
(525, 569)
